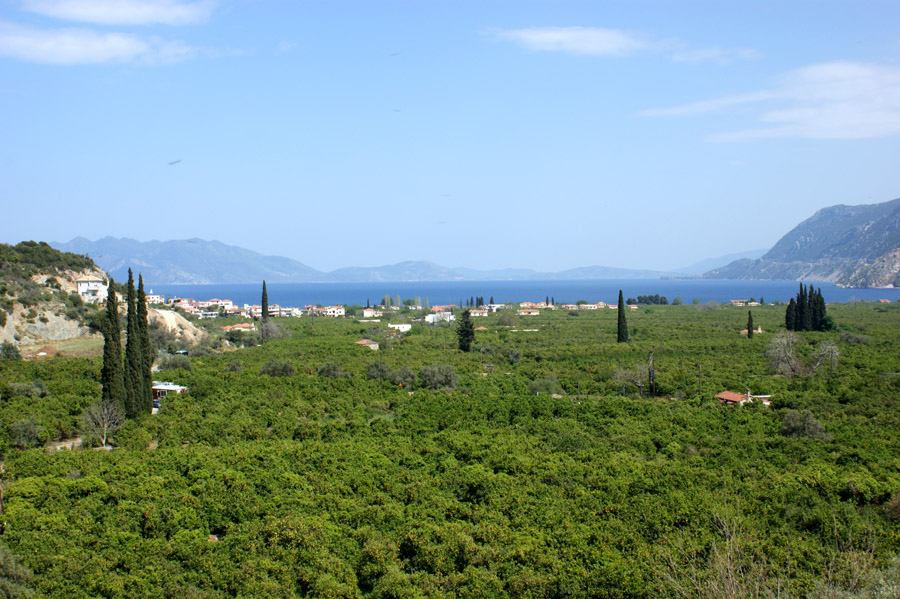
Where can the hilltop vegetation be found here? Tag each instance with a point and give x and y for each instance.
(38, 293)
(301, 467)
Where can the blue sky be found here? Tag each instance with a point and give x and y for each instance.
(481, 133)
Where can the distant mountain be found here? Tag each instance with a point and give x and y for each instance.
(188, 261)
(710, 263)
(403, 271)
(855, 246)
(195, 261)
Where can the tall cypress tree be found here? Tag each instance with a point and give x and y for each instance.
(622, 329)
(802, 305)
(749, 324)
(265, 303)
(134, 356)
(146, 348)
(790, 316)
(111, 374)
(465, 331)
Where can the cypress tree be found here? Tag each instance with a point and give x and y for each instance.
(146, 348)
(802, 305)
(622, 329)
(749, 324)
(465, 331)
(134, 356)
(492, 299)
(111, 374)
(265, 303)
(790, 316)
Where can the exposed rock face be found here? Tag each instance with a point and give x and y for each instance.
(854, 246)
(175, 323)
(49, 323)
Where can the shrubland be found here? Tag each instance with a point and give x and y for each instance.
(528, 467)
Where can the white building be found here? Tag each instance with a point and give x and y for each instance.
(403, 328)
(439, 317)
(92, 290)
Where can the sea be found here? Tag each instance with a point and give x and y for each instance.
(561, 292)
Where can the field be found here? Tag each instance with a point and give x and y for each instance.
(551, 466)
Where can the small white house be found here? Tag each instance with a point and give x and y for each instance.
(92, 290)
(403, 328)
(163, 388)
(439, 317)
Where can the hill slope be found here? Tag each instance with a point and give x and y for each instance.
(856, 246)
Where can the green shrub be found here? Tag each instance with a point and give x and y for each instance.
(9, 351)
(438, 376)
(276, 368)
(332, 371)
(175, 362)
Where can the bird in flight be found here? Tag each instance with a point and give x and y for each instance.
(175, 162)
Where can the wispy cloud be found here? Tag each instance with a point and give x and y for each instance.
(124, 12)
(833, 100)
(85, 46)
(592, 41)
(600, 41)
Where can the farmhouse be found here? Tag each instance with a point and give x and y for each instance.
(163, 388)
(373, 345)
(92, 290)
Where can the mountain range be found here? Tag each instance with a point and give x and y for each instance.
(852, 246)
(197, 261)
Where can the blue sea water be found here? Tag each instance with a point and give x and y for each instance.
(452, 292)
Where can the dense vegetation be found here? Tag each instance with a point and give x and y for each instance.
(526, 467)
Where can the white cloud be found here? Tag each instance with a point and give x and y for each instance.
(599, 41)
(592, 41)
(123, 12)
(84, 46)
(833, 100)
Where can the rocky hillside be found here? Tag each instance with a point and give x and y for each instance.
(855, 246)
(38, 294)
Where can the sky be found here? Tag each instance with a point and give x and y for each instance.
(477, 133)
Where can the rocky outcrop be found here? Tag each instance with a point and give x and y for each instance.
(854, 246)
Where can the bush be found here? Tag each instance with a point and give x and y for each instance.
(2, 318)
(804, 425)
(234, 366)
(854, 338)
(276, 368)
(549, 385)
(379, 370)
(439, 376)
(8, 351)
(404, 377)
(175, 362)
(333, 371)
(37, 388)
(26, 433)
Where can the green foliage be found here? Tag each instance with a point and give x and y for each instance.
(14, 577)
(176, 362)
(465, 331)
(36, 388)
(804, 425)
(234, 366)
(332, 371)
(276, 368)
(8, 351)
(313, 486)
(112, 381)
(438, 376)
(622, 325)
